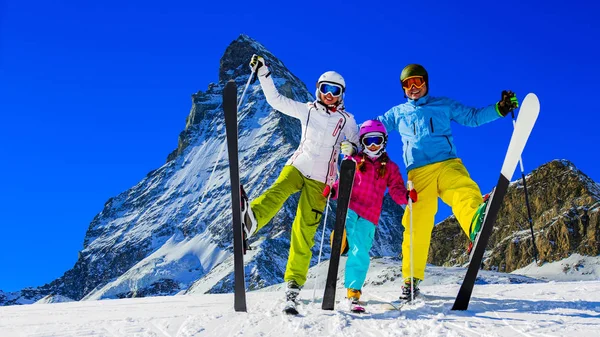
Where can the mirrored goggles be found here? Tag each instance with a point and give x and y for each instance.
(416, 81)
(330, 88)
(373, 140)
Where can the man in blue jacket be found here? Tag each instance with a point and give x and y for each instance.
(432, 164)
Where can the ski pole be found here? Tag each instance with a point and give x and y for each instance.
(224, 143)
(321, 248)
(412, 274)
(529, 219)
(246, 87)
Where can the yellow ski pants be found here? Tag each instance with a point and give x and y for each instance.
(450, 181)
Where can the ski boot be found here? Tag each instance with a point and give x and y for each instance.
(477, 222)
(292, 290)
(406, 290)
(353, 297)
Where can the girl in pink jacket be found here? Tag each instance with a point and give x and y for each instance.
(375, 172)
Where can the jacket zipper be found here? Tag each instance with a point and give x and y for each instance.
(431, 123)
(448, 140)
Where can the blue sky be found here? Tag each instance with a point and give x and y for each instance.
(94, 94)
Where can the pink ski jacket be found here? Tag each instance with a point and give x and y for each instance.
(368, 189)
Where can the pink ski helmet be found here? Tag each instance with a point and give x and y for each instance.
(372, 125)
(373, 132)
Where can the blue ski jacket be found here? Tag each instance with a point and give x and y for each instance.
(425, 128)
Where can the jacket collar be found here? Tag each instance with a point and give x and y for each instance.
(421, 101)
(372, 160)
(328, 109)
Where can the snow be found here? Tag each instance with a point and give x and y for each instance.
(574, 268)
(502, 305)
(180, 260)
(53, 299)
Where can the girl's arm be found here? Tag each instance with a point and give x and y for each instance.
(396, 187)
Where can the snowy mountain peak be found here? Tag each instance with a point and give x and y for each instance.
(205, 116)
(235, 60)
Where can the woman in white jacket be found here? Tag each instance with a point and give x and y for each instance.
(326, 127)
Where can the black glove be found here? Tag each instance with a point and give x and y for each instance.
(256, 62)
(507, 103)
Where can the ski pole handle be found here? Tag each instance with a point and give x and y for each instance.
(411, 187)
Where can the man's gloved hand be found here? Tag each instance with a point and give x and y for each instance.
(256, 62)
(507, 103)
(347, 148)
(412, 195)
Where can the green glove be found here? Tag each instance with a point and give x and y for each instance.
(507, 103)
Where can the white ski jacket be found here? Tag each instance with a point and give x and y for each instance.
(322, 131)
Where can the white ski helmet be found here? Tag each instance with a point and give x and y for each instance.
(335, 78)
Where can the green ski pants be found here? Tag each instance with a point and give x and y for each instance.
(308, 216)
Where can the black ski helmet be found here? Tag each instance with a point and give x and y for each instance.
(414, 70)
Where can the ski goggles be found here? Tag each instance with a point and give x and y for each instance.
(416, 81)
(373, 140)
(330, 88)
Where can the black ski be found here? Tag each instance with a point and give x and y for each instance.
(231, 128)
(526, 120)
(347, 170)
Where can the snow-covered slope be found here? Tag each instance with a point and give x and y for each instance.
(387, 272)
(54, 299)
(502, 305)
(574, 268)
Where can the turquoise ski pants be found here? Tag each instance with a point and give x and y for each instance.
(360, 233)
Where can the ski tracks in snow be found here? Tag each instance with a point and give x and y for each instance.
(527, 310)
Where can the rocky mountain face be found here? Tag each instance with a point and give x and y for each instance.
(564, 206)
(173, 229)
(24, 296)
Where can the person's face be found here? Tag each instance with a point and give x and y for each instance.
(415, 87)
(372, 142)
(329, 99)
(416, 93)
(327, 91)
(374, 148)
